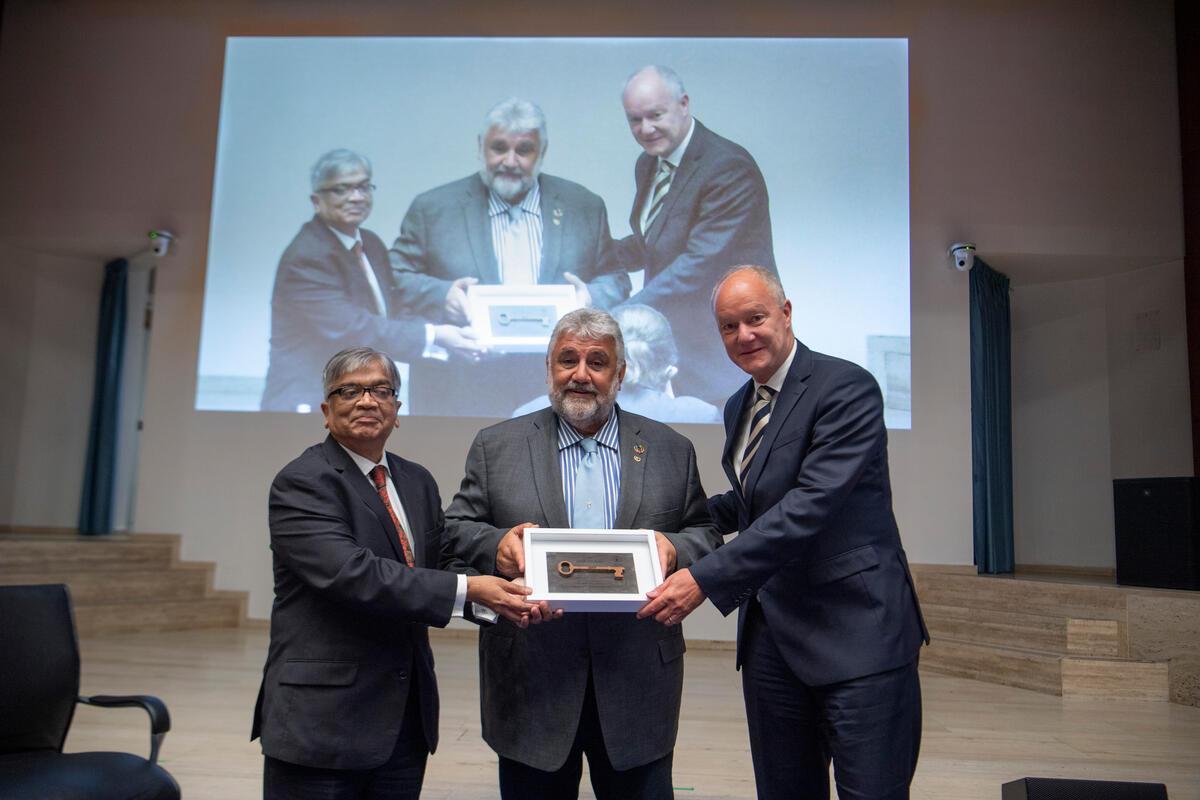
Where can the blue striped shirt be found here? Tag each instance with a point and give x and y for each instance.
(570, 453)
(517, 244)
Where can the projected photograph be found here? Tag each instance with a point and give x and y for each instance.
(446, 200)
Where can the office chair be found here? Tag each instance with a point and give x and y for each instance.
(39, 687)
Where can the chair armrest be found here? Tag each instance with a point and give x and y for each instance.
(160, 718)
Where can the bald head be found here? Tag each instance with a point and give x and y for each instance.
(754, 320)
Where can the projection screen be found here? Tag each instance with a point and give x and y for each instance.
(825, 122)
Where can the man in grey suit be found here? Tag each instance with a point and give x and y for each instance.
(604, 685)
(508, 224)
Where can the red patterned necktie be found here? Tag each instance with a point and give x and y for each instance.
(379, 478)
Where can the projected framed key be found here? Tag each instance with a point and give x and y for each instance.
(518, 319)
(590, 569)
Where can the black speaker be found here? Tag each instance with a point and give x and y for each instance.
(1158, 541)
(1063, 789)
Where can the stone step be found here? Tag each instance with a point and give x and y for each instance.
(39, 553)
(1065, 600)
(185, 581)
(220, 610)
(1115, 679)
(1011, 666)
(992, 627)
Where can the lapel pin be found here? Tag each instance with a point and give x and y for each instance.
(638, 450)
(558, 215)
(637, 458)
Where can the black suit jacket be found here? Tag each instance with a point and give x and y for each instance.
(321, 304)
(819, 547)
(348, 625)
(715, 216)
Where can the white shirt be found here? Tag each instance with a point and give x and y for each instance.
(776, 383)
(673, 158)
(517, 243)
(349, 242)
(366, 465)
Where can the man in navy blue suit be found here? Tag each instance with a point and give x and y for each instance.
(829, 627)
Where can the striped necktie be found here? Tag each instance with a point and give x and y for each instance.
(378, 477)
(759, 417)
(662, 184)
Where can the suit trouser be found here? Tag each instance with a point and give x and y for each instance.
(647, 782)
(870, 726)
(399, 778)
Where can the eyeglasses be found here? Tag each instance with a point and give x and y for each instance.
(350, 392)
(340, 190)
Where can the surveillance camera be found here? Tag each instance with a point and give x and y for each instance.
(962, 254)
(160, 242)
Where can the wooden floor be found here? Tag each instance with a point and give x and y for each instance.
(977, 735)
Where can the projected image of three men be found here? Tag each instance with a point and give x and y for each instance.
(447, 200)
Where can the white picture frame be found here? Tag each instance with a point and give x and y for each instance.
(637, 547)
(518, 318)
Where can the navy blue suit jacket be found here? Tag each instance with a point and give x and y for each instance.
(715, 216)
(819, 547)
(348, 625)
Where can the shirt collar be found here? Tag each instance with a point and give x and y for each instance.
(364, 464)
(531, 204)
(347, 241)
(608, 435)
(776, 380)
(677, 154)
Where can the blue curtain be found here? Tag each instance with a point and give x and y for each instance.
(99, 472)
(991, 419)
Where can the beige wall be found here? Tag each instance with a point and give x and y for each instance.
(1093, 402)
(1049, 138)
(1062, 487)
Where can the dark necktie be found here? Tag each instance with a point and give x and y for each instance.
(759, 417)
(379, 478)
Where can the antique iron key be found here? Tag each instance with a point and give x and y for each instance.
(565, 568)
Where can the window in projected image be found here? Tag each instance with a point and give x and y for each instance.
(447, 200)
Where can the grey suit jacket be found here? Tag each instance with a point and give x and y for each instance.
(446, 235)
(533, 681)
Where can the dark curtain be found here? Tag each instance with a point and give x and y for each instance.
(99, 472)
(991, 419)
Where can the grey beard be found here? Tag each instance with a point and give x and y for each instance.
(583, 412)
(508, 188)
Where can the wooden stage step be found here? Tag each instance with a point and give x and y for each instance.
(122, 583)
(1065, 637)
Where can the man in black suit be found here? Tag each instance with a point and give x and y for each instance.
(829, 628)
(348, 706)
(701, 207)
(334, 290)
(509, 224)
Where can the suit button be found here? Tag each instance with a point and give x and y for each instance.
(402, 675)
